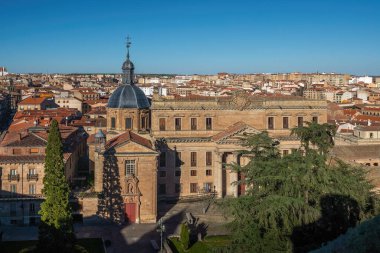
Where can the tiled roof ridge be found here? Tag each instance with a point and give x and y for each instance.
(128, 136)
(238, 126)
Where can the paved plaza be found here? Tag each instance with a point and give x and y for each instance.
(132, 237)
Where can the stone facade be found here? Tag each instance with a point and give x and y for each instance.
(204, 135)
(193, 140)
(22, 171)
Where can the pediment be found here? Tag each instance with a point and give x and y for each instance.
(130, 142)
(132, 147)
(235, 133)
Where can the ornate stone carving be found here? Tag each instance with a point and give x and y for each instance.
(131, 186)
(240, 100)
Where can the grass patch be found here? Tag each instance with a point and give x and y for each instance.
(92, 245)
(209, 243)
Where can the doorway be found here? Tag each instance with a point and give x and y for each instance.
(130, 212)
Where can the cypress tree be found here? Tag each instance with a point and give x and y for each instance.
(56, 229)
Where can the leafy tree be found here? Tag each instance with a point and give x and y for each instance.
(185, 236)
(284, 194)
(319, 135)
(361, 239)
(56, 230)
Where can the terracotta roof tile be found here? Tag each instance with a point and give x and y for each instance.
(32, 101)
(23, 140)
(22, 159)
(126, 137)
(230, 130)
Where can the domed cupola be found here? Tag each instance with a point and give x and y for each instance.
(128, 95)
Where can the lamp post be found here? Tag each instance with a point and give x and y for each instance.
(161, 229)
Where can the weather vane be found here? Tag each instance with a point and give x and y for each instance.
(128, 45)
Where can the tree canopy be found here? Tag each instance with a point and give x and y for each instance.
(291, 200)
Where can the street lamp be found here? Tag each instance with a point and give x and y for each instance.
(161, 229)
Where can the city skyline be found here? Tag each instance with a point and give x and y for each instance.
(201, 37)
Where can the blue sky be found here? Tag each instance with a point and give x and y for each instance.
(197, 36)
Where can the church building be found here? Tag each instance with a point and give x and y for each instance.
(174, 147)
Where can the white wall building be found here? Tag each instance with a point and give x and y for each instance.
(3, 71)
(148, 90)
(365, 79)
(363, 94)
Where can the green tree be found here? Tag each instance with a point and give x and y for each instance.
(56, 230)
(319, 135)
(290, 192)
(185, 236)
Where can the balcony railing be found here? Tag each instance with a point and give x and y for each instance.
(14, 195)
(13, 177)
(30, 177)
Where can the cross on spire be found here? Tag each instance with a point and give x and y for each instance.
(128, 45)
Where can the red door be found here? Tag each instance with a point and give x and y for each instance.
(130, 212)
(241, 187)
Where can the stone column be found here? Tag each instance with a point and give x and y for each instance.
(233, 188)
(219, 173)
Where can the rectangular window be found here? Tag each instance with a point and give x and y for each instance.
(315, 119)
(162, 189)
(177, 173)
(193, 188)
(285, 152)
(193, 122)
(13, 210)
(178, 125)
(143, 122)
(178, 161)
(13, 172)
(32, 189)
(193, 159)
(178, 188)
(208, 172)
(130, 167)
(128, 123)
(17, 151)
(285, 122)
(270, 123)
(162, 124)
(162, 173)
(163, 159)
(193, 173)
(207, 187)
(32, 208)
(34, 150)
(13, 188)
(32, 171)
(300, 122)
(208, 158)
(113, 122)
(208, 123)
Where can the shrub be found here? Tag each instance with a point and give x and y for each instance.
(185, 236)
(29, 249)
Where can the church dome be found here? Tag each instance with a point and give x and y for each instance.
(128, 96)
